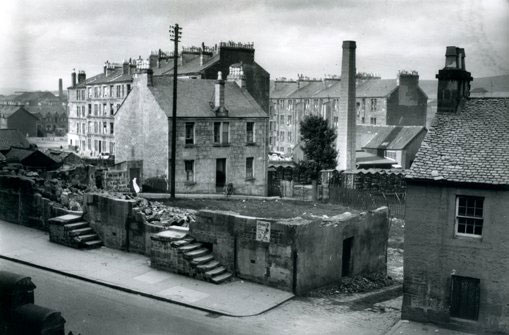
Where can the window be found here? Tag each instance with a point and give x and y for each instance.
(373, 105)
(289, 122)
(96, 92)
(77, 128)
(189, 166)
(83, 111)
(112, 147)
(336, 120)
(105, 110)
(250, 132)
(289, 136)
(390, 154)
(89, 109)
(111, 128)
(89, 144)
(118, 91)
(111, 109)
(111, 91)
(249, 168)
(96, 109)
(469, 215)
(281, 119)
(83, 130)
(90, 92)
(281, 136)
(372, 120)
(105, 127)
(95, 128)
(221, 132)
(128, 88)
(217, 132)
(189, 132)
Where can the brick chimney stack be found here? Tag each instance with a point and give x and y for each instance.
(345, 141)
(60, 88)
(73, 77)
(453, 81)
(82, 77)
(219, 107)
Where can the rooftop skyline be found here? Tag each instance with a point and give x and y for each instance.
(44, 40)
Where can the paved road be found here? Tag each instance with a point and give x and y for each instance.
(94, 310)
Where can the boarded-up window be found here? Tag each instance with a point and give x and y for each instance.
(249, 168)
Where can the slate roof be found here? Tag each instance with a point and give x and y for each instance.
(470, 146)
(195, 97)
(394, 137)
(376, 88)
(191, 67)
(372, 88)
(18, 154)
(43, 111)
(116, 76)
(282, 89)
(12, 138)
(7, 110)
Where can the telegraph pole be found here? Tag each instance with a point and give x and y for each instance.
(175, 34)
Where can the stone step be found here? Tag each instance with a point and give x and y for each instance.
(189, 239)
(215, 272)
(180, 243)
(76, 225)
(93, 244)
(189, 247)
(81, 231)
(196, 253)
(208, 266)
(88, 237)
(202, 259)
(221, 278)
(65, 219)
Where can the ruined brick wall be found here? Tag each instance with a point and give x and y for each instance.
(21, 203)
(433, 254)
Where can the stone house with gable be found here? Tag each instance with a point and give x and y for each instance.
(456, 262)
(221, 134)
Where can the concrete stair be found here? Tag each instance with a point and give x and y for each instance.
(201, 262)
(72, 231)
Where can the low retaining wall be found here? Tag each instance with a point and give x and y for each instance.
(118, 224)
(21, 203)
(296, 255)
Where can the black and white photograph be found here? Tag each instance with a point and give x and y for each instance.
(298, 167)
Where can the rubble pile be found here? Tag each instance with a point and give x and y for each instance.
(159, 214)
(356, 284)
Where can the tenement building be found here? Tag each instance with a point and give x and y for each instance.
(394, 102)
(221, 134)
(93, 101)
(456, 261)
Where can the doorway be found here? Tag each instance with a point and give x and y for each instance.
(465, 296)
(220, 174)
(346, 263)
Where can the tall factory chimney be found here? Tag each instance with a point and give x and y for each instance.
(345, 141)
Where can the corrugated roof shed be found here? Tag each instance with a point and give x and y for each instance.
(12, 138)
(470, 146)
(196, 95)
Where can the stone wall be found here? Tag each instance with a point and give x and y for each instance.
(299, 254)
(119, 224)
(433, 254)
(21, 203)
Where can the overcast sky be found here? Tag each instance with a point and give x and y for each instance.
(43, 40)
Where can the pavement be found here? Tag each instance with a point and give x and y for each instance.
(162, 196)
(416, 328)
(132, 273)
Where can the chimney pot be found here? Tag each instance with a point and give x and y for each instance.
(73, 77)
(219, 107)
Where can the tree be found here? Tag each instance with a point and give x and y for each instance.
(318, 146)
